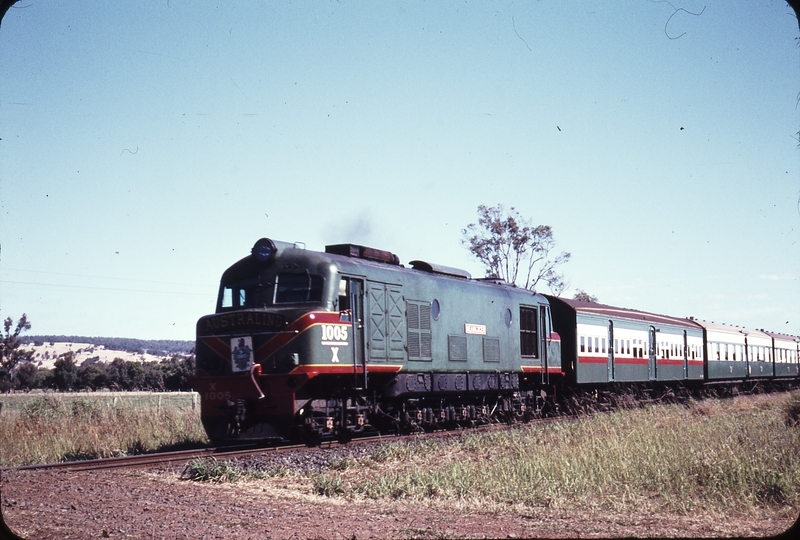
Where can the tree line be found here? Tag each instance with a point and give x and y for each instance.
(170, 374)
(18, 371)
(156, 347)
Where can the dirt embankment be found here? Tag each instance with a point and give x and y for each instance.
(157, 504)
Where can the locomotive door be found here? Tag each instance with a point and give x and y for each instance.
(386, 322)
(351, 306)
(652, 356)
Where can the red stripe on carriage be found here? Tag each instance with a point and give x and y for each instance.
(670, 362)
(593, 360)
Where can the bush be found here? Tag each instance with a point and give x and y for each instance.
(211, 470)
(792, 409)
(44, 407)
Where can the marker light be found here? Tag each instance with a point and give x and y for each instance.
(264, 250)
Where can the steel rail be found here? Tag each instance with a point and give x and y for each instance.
(162, 459)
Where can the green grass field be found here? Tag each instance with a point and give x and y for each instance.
(147, 400)
(51, 427)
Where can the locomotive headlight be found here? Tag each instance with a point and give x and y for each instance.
(264, 250)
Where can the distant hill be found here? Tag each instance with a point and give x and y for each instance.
(155, 347)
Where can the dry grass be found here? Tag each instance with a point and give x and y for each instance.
(721, 456)
(51, 428)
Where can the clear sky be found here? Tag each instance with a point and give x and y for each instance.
(145, 148)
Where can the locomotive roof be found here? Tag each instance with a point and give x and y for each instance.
(604, 310)
(356, 259)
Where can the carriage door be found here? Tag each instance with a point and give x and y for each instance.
(544, 335)
(652, 347)
(351, 307)
(610, 350)
(685, 355)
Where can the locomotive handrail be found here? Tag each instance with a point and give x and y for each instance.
(253, 378)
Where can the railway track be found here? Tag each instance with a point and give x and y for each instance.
(156, 459)
(581, 405)
(170, 459)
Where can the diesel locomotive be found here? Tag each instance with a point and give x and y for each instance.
(307, 345)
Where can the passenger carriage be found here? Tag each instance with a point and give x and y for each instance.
(602, 344)
(785, 354)
(734, 352)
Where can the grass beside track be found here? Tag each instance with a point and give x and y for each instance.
(733, 455)
(49, 428)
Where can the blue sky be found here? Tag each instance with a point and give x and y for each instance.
(146, 148)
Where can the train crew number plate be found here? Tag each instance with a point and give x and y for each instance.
(477, 329)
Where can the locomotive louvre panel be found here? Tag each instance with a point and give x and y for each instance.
(457, 348)
(418, 315)
(491, 349)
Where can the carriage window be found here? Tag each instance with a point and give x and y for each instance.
(583, 345)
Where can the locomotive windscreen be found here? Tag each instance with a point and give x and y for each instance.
(257, 293)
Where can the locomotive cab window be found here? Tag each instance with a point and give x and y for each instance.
(528, 334)
(298, 288)
(246, 293)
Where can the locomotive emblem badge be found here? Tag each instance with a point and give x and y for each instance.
(241, 353)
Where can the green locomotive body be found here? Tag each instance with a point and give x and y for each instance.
(320, 345)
